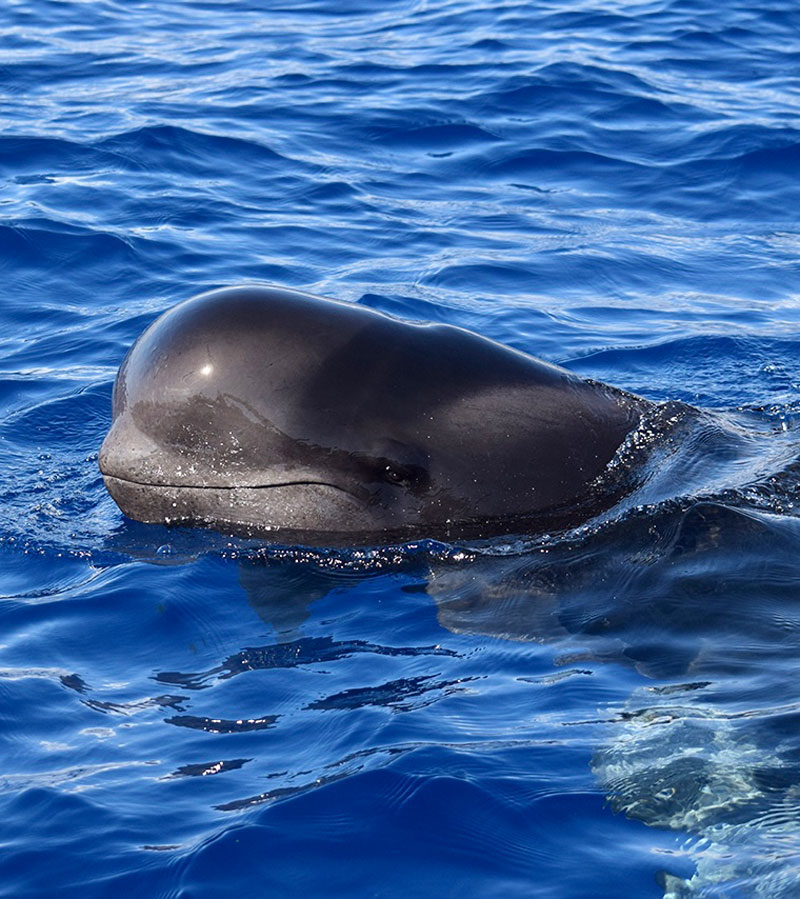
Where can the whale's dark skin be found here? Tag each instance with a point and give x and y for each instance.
(266, 411)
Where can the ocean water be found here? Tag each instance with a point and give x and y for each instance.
(607, 712)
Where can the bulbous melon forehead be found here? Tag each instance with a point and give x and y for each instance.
(289, 356)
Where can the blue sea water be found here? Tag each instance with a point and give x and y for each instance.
(607, 712)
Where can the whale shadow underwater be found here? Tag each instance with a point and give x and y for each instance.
(695, 736)
(700, 605)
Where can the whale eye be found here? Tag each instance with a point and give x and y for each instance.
(413, 477)
(393, 474)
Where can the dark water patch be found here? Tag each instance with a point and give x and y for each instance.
(208, 769)
(740, 141)
(394, 694)
(74, 682)
(29, 578)
(188, 152)
(439, 138)
(49, 245)
(32, 157)
(567, 164)
(128, 708)
(447, 806)
(594, 78)
(750, 366)
(495, 276)
(223, 726)
(290, 655)
(38, 423)
(71, 681)
(407, 308)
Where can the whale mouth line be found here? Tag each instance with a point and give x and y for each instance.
(184, 486)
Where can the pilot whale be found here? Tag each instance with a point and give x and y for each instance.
(261, 410)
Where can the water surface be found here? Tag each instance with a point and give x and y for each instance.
(606, 712)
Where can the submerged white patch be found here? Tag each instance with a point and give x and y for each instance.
(687, 767)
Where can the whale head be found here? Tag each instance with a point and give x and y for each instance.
(267, 411)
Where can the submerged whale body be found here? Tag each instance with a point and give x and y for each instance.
(259, 410)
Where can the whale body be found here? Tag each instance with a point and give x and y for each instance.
(265, 411)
